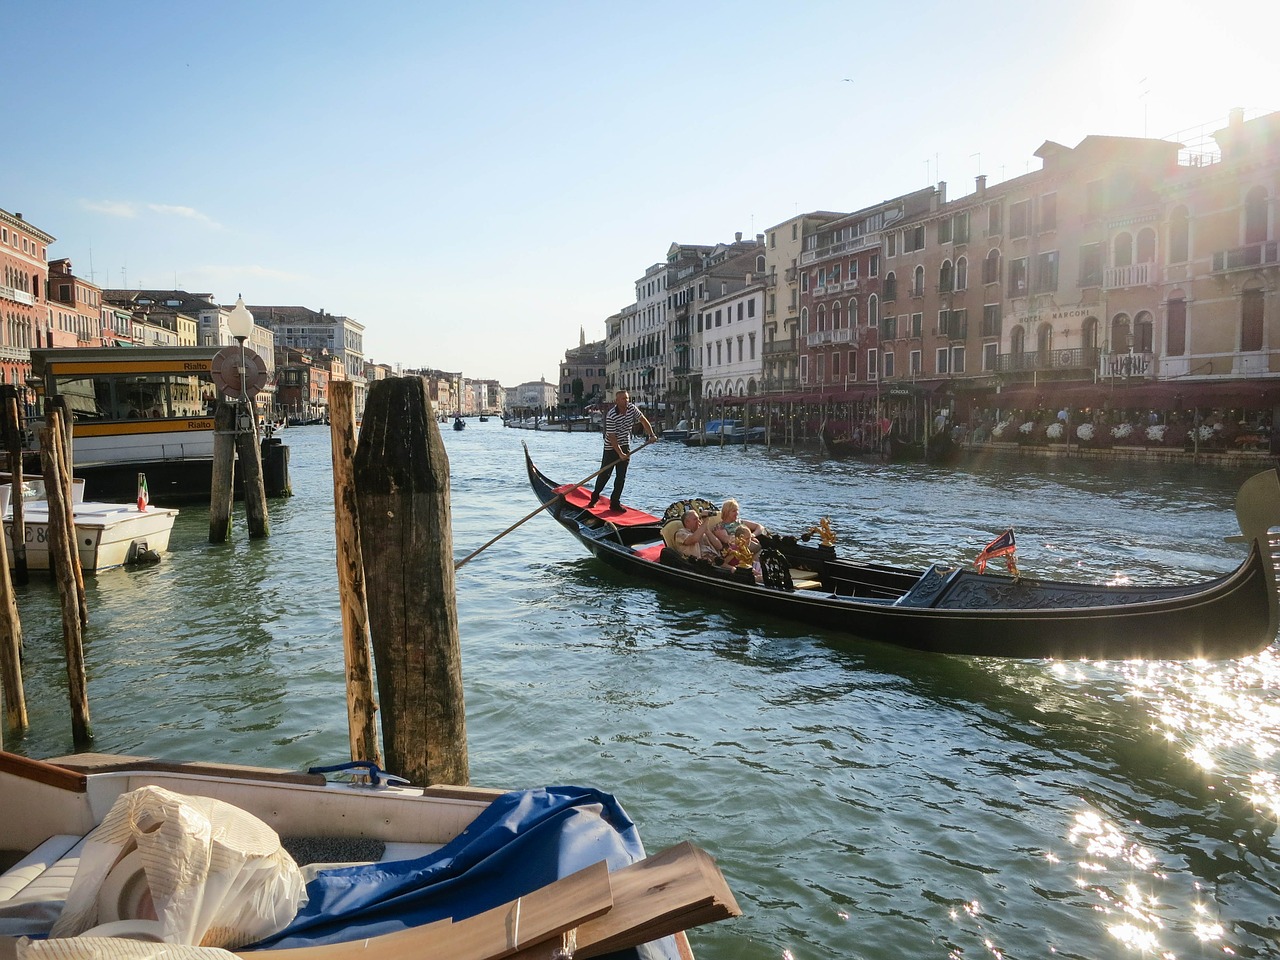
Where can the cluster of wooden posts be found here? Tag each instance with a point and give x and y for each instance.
(64, 561)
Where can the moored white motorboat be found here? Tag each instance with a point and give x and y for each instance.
(107, 534)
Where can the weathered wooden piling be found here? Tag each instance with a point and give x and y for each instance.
(13, 442)
(402, 495)
(15, 701)
(249, 453)
(62, 559)
(60, 425)
(222, 491)
(362, 705)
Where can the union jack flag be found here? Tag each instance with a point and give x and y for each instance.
(1002, 546)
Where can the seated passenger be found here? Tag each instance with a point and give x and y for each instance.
(695, 538)
(731, 522)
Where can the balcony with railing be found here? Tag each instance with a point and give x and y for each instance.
(18, 296)
(1034, 361)
(779, 384)
(1265, 254)
(780, 348)
(1134, 275)
(820, 337)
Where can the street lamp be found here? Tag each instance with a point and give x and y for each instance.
(240, 325)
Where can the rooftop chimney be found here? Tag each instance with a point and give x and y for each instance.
(1235, 118)
(760, 238)
(980, 184)
(737, 237)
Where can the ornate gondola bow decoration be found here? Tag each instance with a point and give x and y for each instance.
(826, 535)
(1002, 546)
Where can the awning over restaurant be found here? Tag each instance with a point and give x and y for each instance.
(1155, 395)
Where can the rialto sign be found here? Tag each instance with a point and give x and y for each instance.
(1052, 316)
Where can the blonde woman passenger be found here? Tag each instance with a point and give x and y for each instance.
(731, 523)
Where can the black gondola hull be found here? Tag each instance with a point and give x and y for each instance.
(972, 614)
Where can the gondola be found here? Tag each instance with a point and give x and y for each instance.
(958, 610)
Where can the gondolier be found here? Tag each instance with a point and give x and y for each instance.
(619, 423)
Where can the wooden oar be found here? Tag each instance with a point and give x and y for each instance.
(529, 516)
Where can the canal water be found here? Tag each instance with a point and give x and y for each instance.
(862, 801)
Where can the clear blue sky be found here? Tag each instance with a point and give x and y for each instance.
(475, 182)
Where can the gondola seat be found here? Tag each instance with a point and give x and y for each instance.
(670, 528)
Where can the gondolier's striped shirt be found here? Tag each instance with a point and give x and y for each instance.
(620, 425)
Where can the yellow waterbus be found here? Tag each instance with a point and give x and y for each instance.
(136, 410)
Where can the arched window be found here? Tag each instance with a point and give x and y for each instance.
(1044, 338)
(1175, 337)
(1122, 250)
(853, 311)
(1089, 333)
(962, 273)
(1179, 236)
(822, 318)
(1120, 342)
(1146, 245)
(1017, 340)
(873, 311)
(1255, 215)
(946, 277)
(991, 267)
(1142, 333)
(835, 315)
(760, 264)
(804, 321)
(891, 286)
(1251, 319)
(917, 284)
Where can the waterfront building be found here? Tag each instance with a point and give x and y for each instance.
(24, 310)
(643, 369)
(1218, 304)
(840, 294)
(727, 271)
(76, 305)
(582, 374)
(1125, 273)
(302, 391)
(781, 327)
(612, 340)
(532, 398)
(684, 381)
(307, 329)
(731, 338)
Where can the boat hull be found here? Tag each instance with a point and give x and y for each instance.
(107, 534)
(962, 612)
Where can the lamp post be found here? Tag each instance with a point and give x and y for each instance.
(240, 325)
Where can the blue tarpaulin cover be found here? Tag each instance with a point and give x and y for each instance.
(522, 841)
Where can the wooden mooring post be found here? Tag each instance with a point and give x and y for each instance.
(402, 495)
(13, 442)
(15, 701)
(63, 562)
(222, 489)
(362, 705)
(235, 438)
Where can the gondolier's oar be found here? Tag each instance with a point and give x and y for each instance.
(529, 516)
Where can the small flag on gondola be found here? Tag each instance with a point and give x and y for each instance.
(144, 495)
(1002, 546)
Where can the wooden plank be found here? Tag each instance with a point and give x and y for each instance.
(662, 895)
(535, 918)
(122, 763)
(43, 771)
